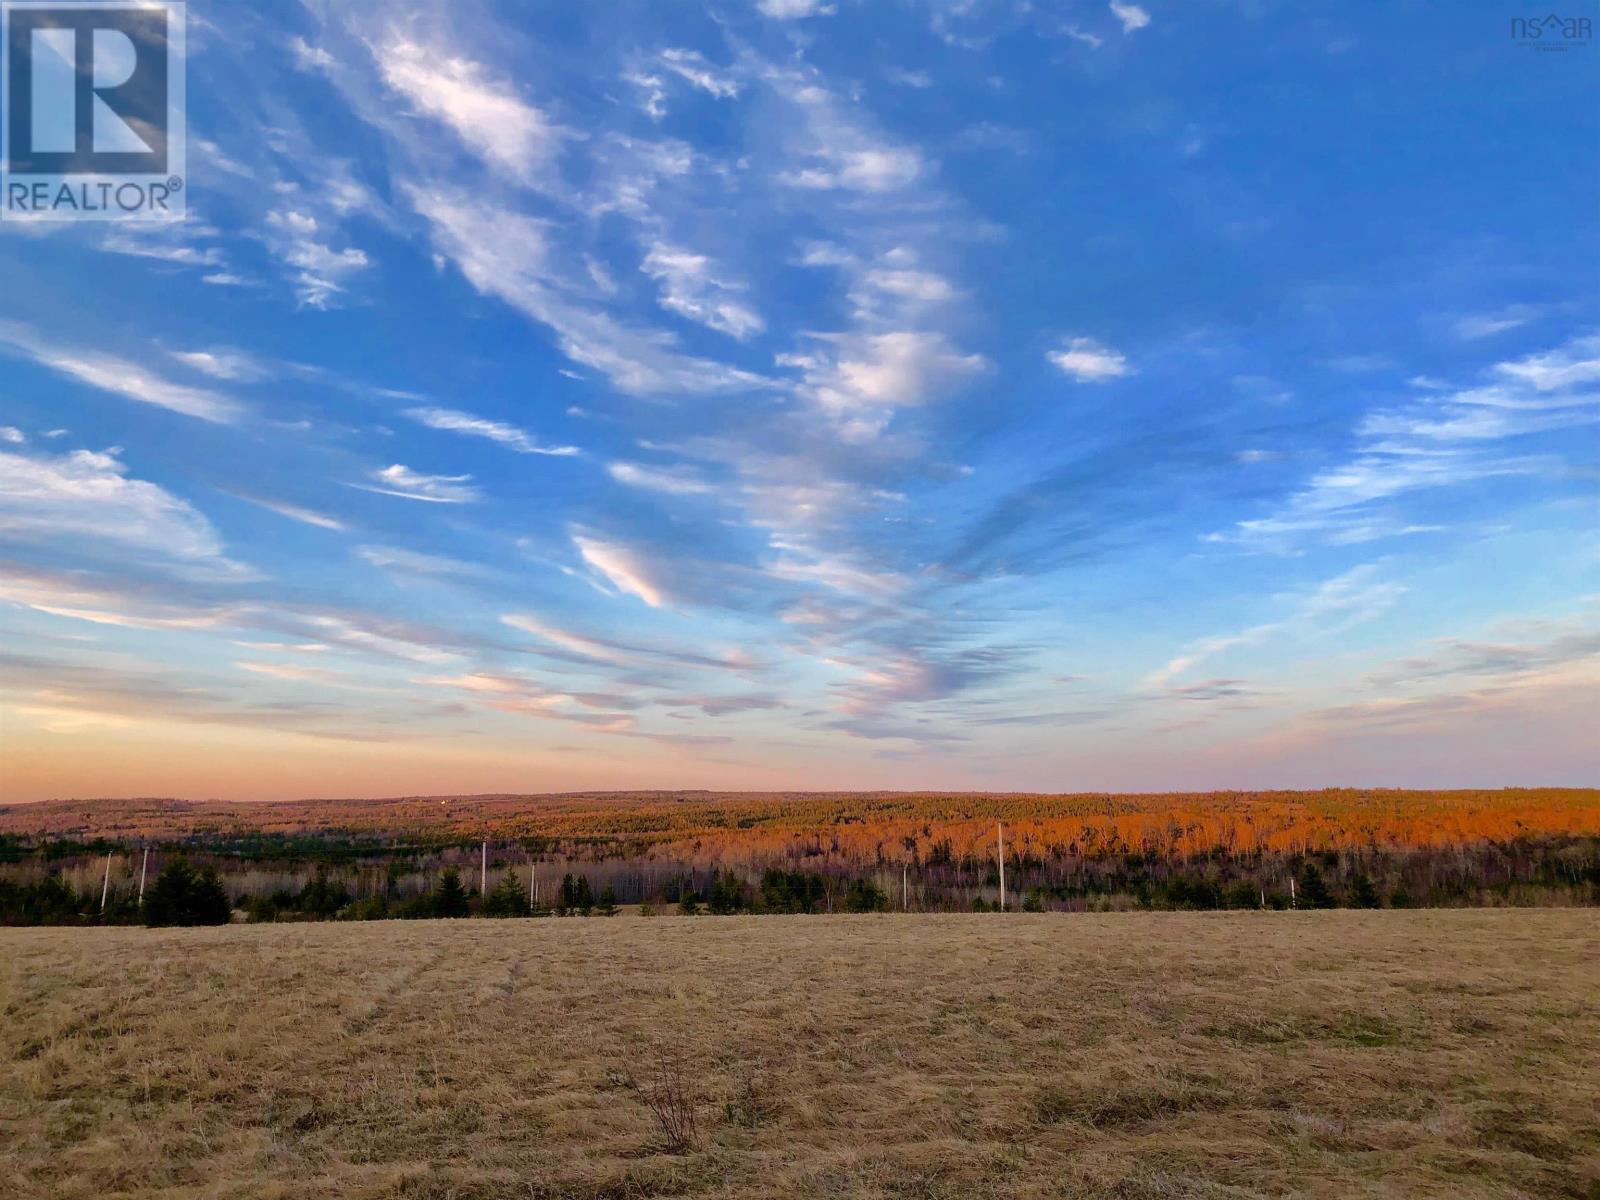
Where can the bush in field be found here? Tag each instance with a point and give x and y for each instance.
(506, 899)
(183, 896)
(607, 907)
(450, 898)
(689, 904)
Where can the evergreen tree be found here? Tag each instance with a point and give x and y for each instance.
(1363, 894)
(582, 896)
(689, 904)
(608, 901)
(183, 896)
(1313, 889)
(865, 896)
(506, 899)
(566, 897)
(451, 898)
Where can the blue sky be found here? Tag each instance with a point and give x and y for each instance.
(772, 393)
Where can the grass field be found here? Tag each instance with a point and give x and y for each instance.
(1334, 1054)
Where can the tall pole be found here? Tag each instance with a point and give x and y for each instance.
(1000, 835)
(533, 888)
(105, 888)
(483, 872)
(905, 892)
(143, 867)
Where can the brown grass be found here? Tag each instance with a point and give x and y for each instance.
(1338, 1054)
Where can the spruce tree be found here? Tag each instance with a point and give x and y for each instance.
(451, 898)
(506, 899)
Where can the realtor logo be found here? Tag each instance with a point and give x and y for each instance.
(93, 121)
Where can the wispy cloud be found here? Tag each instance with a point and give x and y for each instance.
(622, 566)
(452, 421)
(294, 512)
(120, 376)
(486, 113)
(691, 288)
(1349, 599)
(400, 480)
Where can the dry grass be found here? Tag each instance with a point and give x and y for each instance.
(1335, 1054)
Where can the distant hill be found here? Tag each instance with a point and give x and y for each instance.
(887, 824)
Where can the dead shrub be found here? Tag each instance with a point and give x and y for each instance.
(666, 1093)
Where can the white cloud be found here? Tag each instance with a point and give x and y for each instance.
(622, 566)
(121, 377)
(910, 79)
(863, 169)
(10, 433)
(672, 480)
(1131, 15)
(1088, 361)
(864, 378)
(401, 480)
(452, 421)
(1575, 363)
(87, 498)
(308, 57)
(487, 114)
(1482, 325)
(321, 271)
(793, 10)
(1446, 439)
(690, 288)
(231, 365)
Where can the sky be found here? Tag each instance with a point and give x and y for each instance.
(785, 394)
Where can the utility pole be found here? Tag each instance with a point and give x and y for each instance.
(105, 888)
(143, 867)
(1000, 835)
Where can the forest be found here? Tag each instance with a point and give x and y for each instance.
(697, 854)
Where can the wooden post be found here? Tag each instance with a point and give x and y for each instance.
(905, 888)
(105, 888)
(143, 867)
(483, 873)
(533, 888)
(1000, 834)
